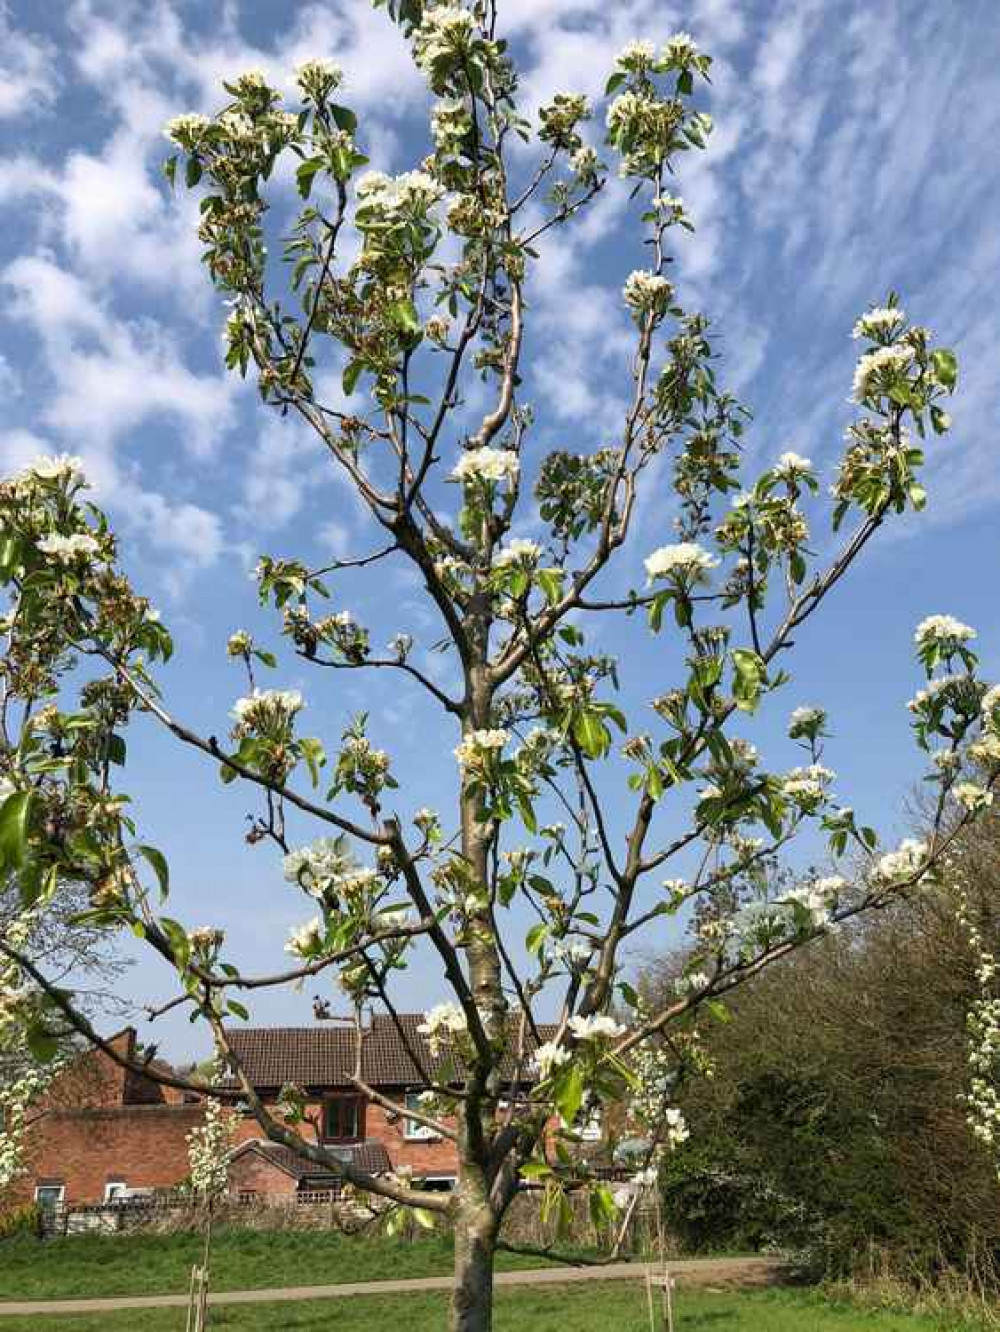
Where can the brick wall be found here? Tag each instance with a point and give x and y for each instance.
(252, 1173)
(143, 1145)
(424, 1157)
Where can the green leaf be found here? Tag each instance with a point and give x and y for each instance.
(550, 581)
(180, 944)
(945, 365)
(591, 734)
(535, 937)
(569, 1093)
(116, 749)
(536, 1170)
(423, 1218)
(940, 420)
(351, 376)
(15, 814)
(404, 315)
(192, 172)
(158, 862)
(306, 174)
(314, 755)
(749, 679)
(42, 1044)
(239, 1010)
(344, 118)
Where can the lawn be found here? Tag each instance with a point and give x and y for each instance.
(81, 1266)
(617, 1307)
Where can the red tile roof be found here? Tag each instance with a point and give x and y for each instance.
(324, 1056)
(370, 1156)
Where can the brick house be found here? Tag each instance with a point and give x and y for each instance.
(320, 1061)
(102, 1132)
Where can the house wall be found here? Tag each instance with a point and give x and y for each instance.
(143, 1145)
(250, 1173)
(432, 1157)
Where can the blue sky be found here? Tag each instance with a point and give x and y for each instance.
(854, 153)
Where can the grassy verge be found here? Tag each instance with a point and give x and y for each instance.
(617, 1307)
(84, 1266)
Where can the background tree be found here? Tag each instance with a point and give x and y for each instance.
(417, 287)
(836, 1118)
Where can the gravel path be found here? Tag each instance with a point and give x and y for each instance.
(687, 1271)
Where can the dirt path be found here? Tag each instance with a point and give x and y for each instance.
(688, 1272)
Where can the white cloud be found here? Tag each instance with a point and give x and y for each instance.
(110, 375)
(29, 79)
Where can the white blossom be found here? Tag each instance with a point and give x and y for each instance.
(54, 467)
(264, 707)
(304, 939)
(440, 1021)
(686, 559)
(874, 364)
(598, 1026)
(208, 1149)
(806, 721)
(517, 551)
(412, 192)
(319, 77)
(549, 1056)
(487, 464)
(67, 549)
(903, 863)
(792, 465)
(477, 744)
(972, 796)
(692, 982)
(881, 322)
(681, 47)
(187, 129)
(445, 30)
(942, 629)
(636, 56)
(646, 291)
(676, 1129)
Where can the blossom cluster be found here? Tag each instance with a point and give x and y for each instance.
(486, 465)
(208, 1150)
(477, 746)
(442, 1023)
(647, 293)
(597, 1027)
(686, 561)
(266, 710)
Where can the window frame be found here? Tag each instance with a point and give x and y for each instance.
(347, 1098)
(49, 1188)
(120, 1187)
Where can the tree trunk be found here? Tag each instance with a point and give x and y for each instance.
(475, 1249)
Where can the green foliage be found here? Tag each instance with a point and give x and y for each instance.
(18, 1222)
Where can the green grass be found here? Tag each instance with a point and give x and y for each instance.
(82, 1266)
(609, 1307)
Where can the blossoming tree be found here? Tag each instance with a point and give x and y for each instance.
(412, 284)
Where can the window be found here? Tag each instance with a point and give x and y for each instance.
(343, 1119)
(115, 1189)
(50, 1196)
(413, 1131)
